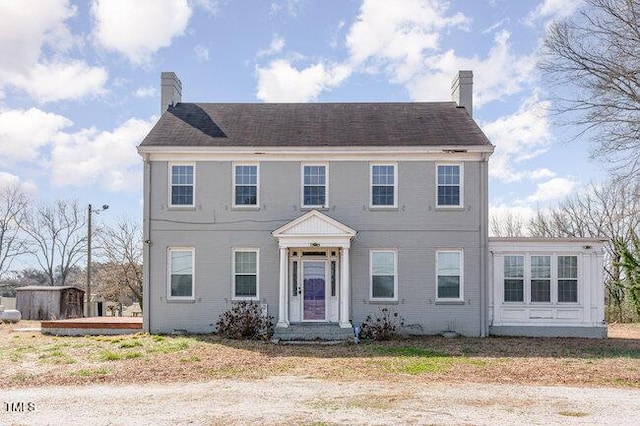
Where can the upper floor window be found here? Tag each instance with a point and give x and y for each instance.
(314, 183)
(383, 185)
(182, 182)
(568, 279)
(541, 278)
(180, 268)
(245, 188)
(384, 277)
(514, 278)
(449, 178)
(245, 273)
(449, 267)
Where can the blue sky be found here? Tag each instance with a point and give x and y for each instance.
(79, 81)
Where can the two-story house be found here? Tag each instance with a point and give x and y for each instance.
(326, 212)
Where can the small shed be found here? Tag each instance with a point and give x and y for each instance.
(50, 302)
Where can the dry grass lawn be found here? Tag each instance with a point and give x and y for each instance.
(32, 359)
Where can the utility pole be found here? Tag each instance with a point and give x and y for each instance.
(89, 214)
(89, 262)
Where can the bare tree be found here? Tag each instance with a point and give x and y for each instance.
(13, 208)
(598, 53)
(610, 211)
(57, 238)
(507, 225)
(121, 245)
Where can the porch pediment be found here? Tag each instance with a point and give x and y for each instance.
(316, 230)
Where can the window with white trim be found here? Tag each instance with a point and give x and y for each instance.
(567, 279)
(384, 276)
(245, 273)
(314, 185)
(383, 185)
(541, 278)
(245, 187)
(449, 274)
(180, 271)
(182, 183)
(449, 185)
(514, 278)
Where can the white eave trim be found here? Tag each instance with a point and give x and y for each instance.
(335, 153)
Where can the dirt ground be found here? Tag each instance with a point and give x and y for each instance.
(29, 359)
(143, 379)
(295, 400)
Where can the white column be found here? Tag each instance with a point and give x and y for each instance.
(345, 288)
(283, 317)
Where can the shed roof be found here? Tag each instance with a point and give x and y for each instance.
(48, 287)
(315, 125)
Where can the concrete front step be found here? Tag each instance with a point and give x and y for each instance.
(312, 331)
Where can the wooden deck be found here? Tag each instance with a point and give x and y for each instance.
(92, 326)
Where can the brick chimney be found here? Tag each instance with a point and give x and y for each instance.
(170, 90)
(462, 90)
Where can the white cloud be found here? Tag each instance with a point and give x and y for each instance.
(145, 92)
(23, 133)
(518, 137)
(403, 41)
(201, 52)
(276, 46)
(290, 7)
(209, 6)
(25, 30)
(541, 174)
(553, 189)
(396, 35)
(281, 82)
(140, 28)
(9, 180)
(500, 73)
(24, 34)
(58, 81)
(105, 157)
(553, 9)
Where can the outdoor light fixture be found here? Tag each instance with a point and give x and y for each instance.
(90, 211)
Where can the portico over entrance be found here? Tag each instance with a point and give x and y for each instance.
(314, 270)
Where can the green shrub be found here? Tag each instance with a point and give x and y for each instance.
(384, 326)
(245, 320)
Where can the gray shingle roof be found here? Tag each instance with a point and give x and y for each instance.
(315, 124)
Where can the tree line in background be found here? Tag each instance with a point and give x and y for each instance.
(53, 239)
(610, 211)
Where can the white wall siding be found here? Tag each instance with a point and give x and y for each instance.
(583, 318)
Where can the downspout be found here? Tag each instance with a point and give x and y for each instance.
(484, 241)
(146, 245)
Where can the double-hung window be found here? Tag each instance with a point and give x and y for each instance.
(383, 185)
(514, 278)
(180, 268)
(567, 279)
(384, 275)
(314, 185)
(449, 185)
(449, 274)
(245, 274)
(245, 187)
(541, 278)
(182, 183)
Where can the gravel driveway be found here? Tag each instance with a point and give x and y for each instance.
(296, 400)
